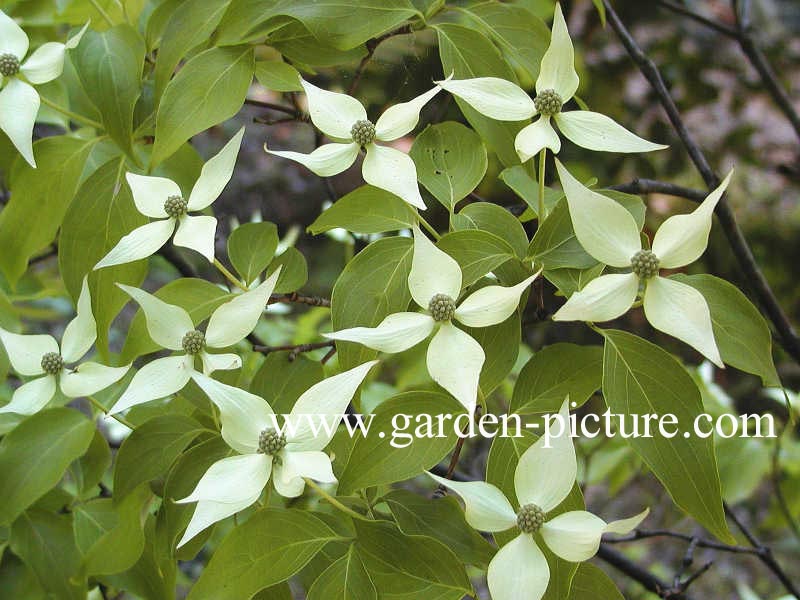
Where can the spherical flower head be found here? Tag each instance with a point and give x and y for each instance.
(271, 442)
(530, 518)
(9, 65)
(645, 264)
(175, 206)
(193, 342)
(52, 363)
(442, 307)
(548, 103)
(363, 132)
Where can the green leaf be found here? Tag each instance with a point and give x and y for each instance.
(497, 220)
(251, 248)
(527, 188)
(555, 372)
(391, 452)
(278, 76)
(366, 210)
(45, 542)
(521, 36)
(569, 281)
(191, 25)
(639, 378)
(346, 579)
(372, 285)
(742, 334)
(281, 382)
(109, 65)
(150, 450)
(329, 20)
(111, 538)
(210, 88)
(592, 582)
(451, 161)
(279, 543)
(294, 271)
(442, 519)
(468, 53)
(88, 470)
(500, 344)
(102, 212)
(476, 251)
(35, 455)
(406, 567)
(197, 296)
(292, 39)
(39, 196)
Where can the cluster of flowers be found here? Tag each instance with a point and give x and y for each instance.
(544, 476)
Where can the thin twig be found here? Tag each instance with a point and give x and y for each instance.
(639, 574)
(711, 24)
(371, 46)
(641, 534)
(727, 220)
(294, 350)
(293, 112)
(651, 186)
(296, 298)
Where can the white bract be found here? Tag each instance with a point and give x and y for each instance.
(454, 358)
(609, 233)
(288, 453)
(343, 119)
(19, 101)
(172, 328)
(162, 199)
(40, 356)
(556, 85)
(543, 478)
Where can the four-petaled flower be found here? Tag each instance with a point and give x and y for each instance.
(19, 101)
(162, 199)
(556, 85)
(543, 479)
(171, 327)
(343, 119)
(33, 355)
(454, 358)
(609, 233)
(289, 453)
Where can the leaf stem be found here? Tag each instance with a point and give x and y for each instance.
(333, 501)
(119, 419)
(542, 164)
(228, 275)
(68, 113)
(429, 227)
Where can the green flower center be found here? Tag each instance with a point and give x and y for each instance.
(175, 206)
(52, 363)
(645, 264)
(9, 65)
(363, 132)
(193, 342)
(271, 442)
(530, 518)
(442, 307)
(548, 103)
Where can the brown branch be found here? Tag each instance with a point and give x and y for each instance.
(736, 240)
(643, 534)
(682, 10)
(296, 298)
(294, 350)
(651, 186)
(293, 112)
(639, 574)
(756, 57)
(372, 45)
(763, 552)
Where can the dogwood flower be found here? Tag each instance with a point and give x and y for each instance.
(556, 85)
(19, 101)
(609, 233)
(542, 480)
(289, 453)
(162, 199)
(172, 328)
(454, 358)
(40, 355)
(343, 119)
